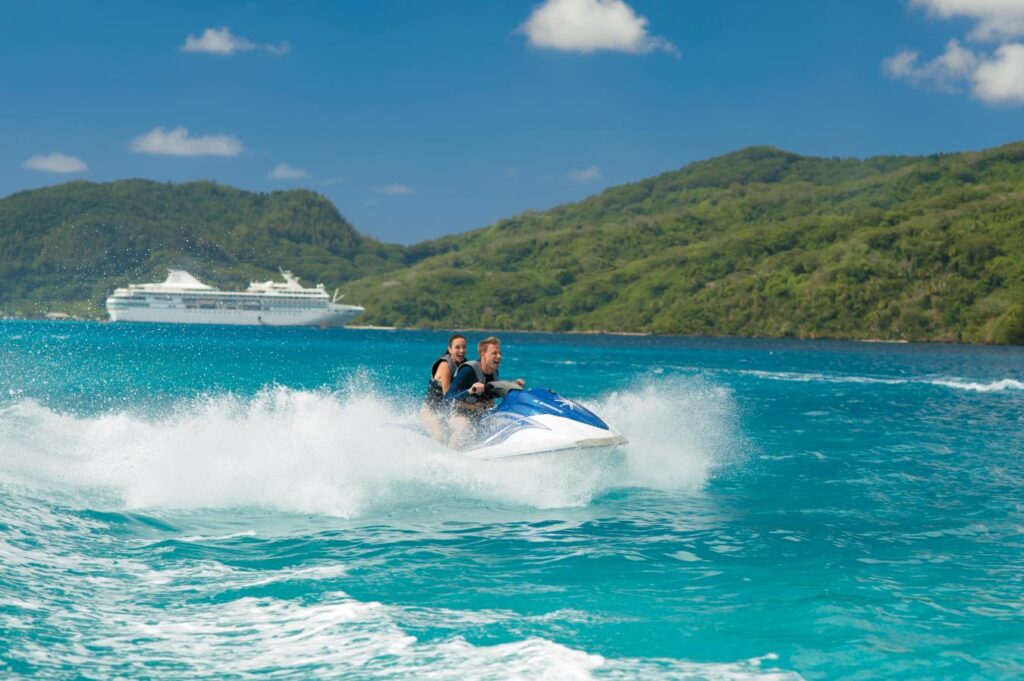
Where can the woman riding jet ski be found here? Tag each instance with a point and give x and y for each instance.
(442, 373)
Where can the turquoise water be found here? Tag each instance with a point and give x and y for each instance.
(197, 502)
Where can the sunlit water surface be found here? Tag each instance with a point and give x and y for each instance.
(197, 502)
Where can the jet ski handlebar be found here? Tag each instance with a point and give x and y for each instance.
(502, 388)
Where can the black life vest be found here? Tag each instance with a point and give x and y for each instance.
(435, 395)
(446, 357)
(481, 377)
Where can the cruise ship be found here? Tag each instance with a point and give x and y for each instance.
(183, 299)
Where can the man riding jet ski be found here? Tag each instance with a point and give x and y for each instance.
(468, 397)
(526, 421)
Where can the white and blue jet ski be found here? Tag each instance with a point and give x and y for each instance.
(535, 421)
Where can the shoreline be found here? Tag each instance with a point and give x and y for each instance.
(589, 332)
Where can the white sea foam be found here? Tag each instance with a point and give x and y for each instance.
(120, 617)
(216, 538)
(678, 429)
(974, 386)
(814, 377)
(955, 383)
(345, 454)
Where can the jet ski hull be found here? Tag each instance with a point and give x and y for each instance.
(538, 421)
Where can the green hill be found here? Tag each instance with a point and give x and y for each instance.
(759, 242)
(755, 243)
(67, 247)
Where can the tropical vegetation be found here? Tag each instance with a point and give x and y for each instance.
(67, 247)
(759, 242)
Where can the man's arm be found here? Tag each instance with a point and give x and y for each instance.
(464, 385)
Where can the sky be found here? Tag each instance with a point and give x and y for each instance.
(420, 119)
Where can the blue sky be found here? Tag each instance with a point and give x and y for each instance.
(419, 119)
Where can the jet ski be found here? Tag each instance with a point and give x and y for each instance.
(535, 421)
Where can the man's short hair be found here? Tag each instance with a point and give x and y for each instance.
(482, 345)
(454, 337)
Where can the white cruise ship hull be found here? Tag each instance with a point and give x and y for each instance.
(183, 299)
(319, 318)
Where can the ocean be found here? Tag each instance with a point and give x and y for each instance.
(236, 503)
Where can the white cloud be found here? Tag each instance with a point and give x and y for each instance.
(285, 172)
(901, 64)
(178, 143)
(946, 72)
(223, 42)
(587, 174)
(996, 80)
(396, 189)
(55, 163)
(589, 26)
(995, 19)
(1001, 80)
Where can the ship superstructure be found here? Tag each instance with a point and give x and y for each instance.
(183, 299)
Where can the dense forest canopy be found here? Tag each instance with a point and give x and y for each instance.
(759, 242)
(67, 247)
